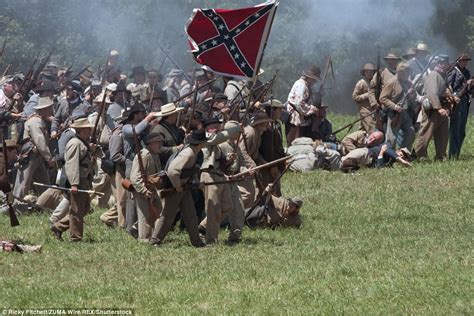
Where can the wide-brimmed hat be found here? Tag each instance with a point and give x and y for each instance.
(367, 66)
(391, 56)
(114, 52)
(464, 56)
(232, 127)
(75, 86)
(213, 120)
(273, 104)
(138, 70)
(43, 103)
(121, 87)
(47, 86)
(313, 72)
(136, 108)
(259, 117)
(221, 97)
(422, 47)
(169, 109)
(297, 201)
(175, 73)
(81, 123)
(154, 137)
(124, 115)
(443, 58)
(409, 54)
(197, 137)
(100, 97)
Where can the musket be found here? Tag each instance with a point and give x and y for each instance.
(7, 69)
(268, 190)
(192, 91)
(188, 128)
(378, 86)
(104, 76)
(143, 173)
(266, 87)
(325, 74)
(352, 123)
(3, 47)
(61, 80)
(75, 77)
(167, 192)
(265, 165)
(55, 187)
(234, 100)
(11, 212)
(36, 75)
(396, 118)
(173, 62)
(99, 115)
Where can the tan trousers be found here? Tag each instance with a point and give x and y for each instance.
(433, 126)
(367, 124)
(49, 199)
(182, 201)
(116, 214)
(218, 201)
(74, 221)
(102, 184)
(247, 191)
(146, 218)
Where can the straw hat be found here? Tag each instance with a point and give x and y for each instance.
(422, 47)
(81, 123)
(169, 109)
(391, 56)
(100, 97)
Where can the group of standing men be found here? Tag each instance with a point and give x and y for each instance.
(167, 150)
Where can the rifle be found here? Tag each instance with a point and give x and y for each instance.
(36, 75)
(173, 62)
(11, 212)
(99, 115)
(3, 47)
(378, 86)
(268, 190)
(327, 67)
(192, 91)
(188, 128)
(265, 165)
(104, 77)
(396, 118)
(7, 69)
(167, 192)
(266, 87)
(61, 80)
(352, 123)
(143, 173)
(55, 187)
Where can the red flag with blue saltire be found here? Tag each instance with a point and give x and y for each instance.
(230, 42)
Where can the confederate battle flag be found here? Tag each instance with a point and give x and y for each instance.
(230, 42)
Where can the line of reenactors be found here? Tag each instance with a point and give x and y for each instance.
(179, 151)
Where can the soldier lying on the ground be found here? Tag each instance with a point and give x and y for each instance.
(275, 211)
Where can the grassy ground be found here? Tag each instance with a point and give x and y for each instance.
(392, 241)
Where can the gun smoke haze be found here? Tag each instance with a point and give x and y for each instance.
(305, 32)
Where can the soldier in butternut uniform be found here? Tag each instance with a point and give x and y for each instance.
(435, 119)
(278, 211)
(249, 145)
(218, 198)
(79, 171)
(361, 96)
(388, 73)
(36, 150)
(182, 198)
(145, 196)
(400, 116)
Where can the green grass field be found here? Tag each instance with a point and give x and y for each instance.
(392, 241)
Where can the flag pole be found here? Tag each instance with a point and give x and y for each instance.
(259, 61)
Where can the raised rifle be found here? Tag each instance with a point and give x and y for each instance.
(378, 86)
(174, 63)
(11, 212)
(7, 70)
(3, 47)
(193, 109)
(192, 91)
(143, 173)
(396, 118)
(63, 77)
(99, 115)
(104, 76)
